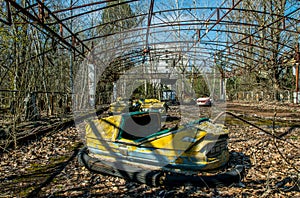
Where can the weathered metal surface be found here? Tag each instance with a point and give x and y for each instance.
(195, 146)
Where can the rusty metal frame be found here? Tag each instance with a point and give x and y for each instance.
(73, 35)
(211, 29)
(149, 24)
(91, 11)
(264, 27)
(216, 18)
(223, 44)
(172, 50)
(40, 23)
(191, 22)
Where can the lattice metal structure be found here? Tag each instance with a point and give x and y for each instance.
(234, 37)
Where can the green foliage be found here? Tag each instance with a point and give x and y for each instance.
(146, 91)
(287, 79)
(231, 87)
(261, 63)
(117, 18)
(200, 86)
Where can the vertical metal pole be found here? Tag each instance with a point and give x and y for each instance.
(9, 19)
(297, 71)
(297, 80)
(71, 57)
(297, 77)
(41, 11)
(221, 87)
(146, 89)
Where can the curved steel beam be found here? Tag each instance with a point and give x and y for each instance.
(40, 23)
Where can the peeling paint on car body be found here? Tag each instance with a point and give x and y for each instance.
(197, 146)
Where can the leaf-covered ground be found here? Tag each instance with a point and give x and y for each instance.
(49, 168)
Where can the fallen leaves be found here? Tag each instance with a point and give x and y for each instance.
(44, 167)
